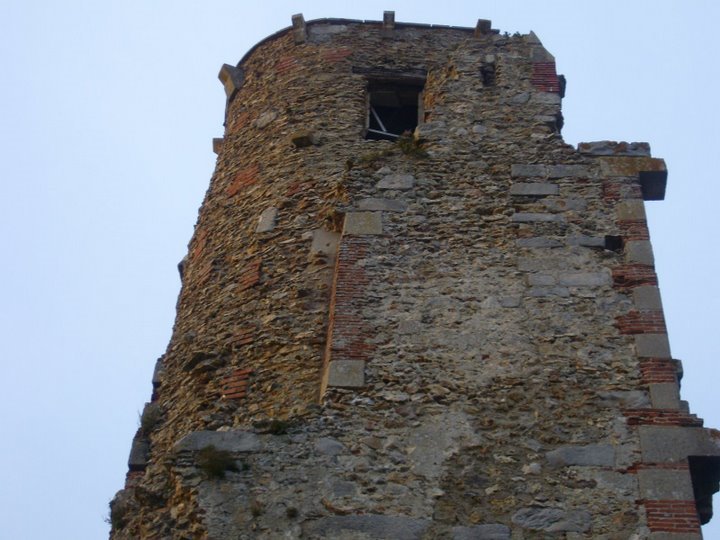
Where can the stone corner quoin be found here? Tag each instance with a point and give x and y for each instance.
(409, 310)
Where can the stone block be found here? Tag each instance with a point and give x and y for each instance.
(538, 242)
(533, 217)
(217, 144)
(639, 251)
(324, 242)
(329, 446)
(481, 532)
(362, 223)
(630, 166)
(586, 241)
(630, 209)
(370, 526)
(346, 373)
(139, 452)
(613, 148)
(232, 79)
(531, 170)
(592, 455)
(299, 30)
(652, 346)
(542, 280)
(378, 204)
(665, 484)
(232, 441)
(665, 395)
(647, 297)
(534, 189)
(540, 292)
(668, 444)
(546, 98)
(563, 171)
(266, 221)
(553, 520)
(585, 279)
(265, 119)
(431, 130)
(397, 181)
(483, 27)
(303, 139)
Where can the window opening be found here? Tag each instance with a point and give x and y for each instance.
(393, 109)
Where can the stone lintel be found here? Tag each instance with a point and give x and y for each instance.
(652, 346)
(346, 373)
(232, 79)
(299, 29)
(362, 223)
(548, 171)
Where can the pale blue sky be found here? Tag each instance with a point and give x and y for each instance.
(107, 112)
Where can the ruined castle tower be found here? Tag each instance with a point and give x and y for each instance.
(410, 311)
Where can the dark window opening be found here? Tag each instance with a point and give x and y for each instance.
(705, 475)
(393, 109)
(614, 243)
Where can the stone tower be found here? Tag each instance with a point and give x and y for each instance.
(410, 311)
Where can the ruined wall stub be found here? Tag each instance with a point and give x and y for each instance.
(454, 335)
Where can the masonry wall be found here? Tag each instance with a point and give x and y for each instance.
(458, 337)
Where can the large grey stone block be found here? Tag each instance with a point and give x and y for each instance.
(346, 373)
(592, 455)
(630, 210)
(529, 170)
(397, 181)
(324, 242)
(232, 441)
(481, 532)
(534, 189)
(652, 346)
(639, 251)
(370, 526)
(563, 171)
(362, 223)
(139, 452)
(538, 242)
(553, 519)
(266, 221)
(530, 217)
(665, 395)
(665, 484)
(667, 444)
(585, 279)
(378, 204)
(647, 297)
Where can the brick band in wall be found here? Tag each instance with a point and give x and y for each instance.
(544, 77)
(641, 322)
(672, 516)
(658, 370)
(661, 417)
(634, 229)
(634, 275)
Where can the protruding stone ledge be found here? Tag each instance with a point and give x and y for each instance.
(483, 27)
(650, 172)
(614, 148)
(231, 441)
(139, 452)
(232, 79)
(217, 144)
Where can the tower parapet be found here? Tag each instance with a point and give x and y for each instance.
(410, 310)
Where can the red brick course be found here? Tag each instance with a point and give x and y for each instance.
(242, 179)
(634, 275)
(661, 417)
(658, 370)
(672, 516)
(235, 385)
(641, 322)
(544, 77)
(336, 55)
(634, 229)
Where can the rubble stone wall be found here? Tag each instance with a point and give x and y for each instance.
(456, 337)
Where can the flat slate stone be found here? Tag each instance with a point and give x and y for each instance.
(481, 532)
(538, 242)
(376, 527)
(553, 519)
(232, 441)
(362, 223)
(528, 170)
(266, 221)
(534, 189)
(613, 148)
(379, 204)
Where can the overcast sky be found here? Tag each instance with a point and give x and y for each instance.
(107, 112)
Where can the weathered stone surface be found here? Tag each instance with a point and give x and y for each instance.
(562, 171)
(674, 536)
(378, 204)
(613, 148)
(665, 395)
(652, 345)
(586, 241)
(664, 484)
(536, 189)
(324, 242)
(538, 242)
(139, 452)
(265, 119)
(667, 444)
(585, 279)
(266, 221)
(481, 532)
(329, 446)
(639, 251)
(521, 170)
(397, 181)
(363, 223)
(530, 217)
(346, 373)
(368, 526)
(647, 297)
(630, 210)
(592, 455)
(232, 441)
(303, 139)
(553, 519)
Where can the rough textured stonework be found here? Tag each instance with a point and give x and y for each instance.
(458, 335)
